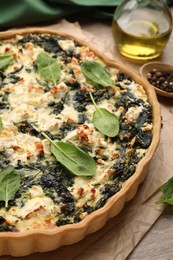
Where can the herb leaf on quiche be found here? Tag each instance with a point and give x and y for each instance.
(74, 159)
(48, 68)
(9, 184)
(6, 60)
(105, 121)
(167, 192)
(96, 73)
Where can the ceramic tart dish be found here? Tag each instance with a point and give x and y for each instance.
(77, 134)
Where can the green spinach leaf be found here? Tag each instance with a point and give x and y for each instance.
(1, 124)
(6, 60)
(96, 73)
(167, 192)
(105, 121)
(73, 158)
(48, 68)
(9, 184)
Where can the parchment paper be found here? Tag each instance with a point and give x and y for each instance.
(121, 234)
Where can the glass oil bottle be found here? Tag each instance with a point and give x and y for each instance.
(142, 28)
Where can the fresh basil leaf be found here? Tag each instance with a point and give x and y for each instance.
(6, 60)
(74, 159)
(167, 192)
(1, 124)
(9, 184)
(48, 68)
(105, 121)
(96, 73)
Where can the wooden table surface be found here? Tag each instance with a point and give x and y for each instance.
(158, 242)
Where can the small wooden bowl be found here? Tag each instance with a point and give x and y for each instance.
(147, 67)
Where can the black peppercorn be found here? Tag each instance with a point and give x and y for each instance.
(161, 79)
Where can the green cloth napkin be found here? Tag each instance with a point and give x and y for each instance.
(28, 12)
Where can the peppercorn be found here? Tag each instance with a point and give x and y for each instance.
(161, 79)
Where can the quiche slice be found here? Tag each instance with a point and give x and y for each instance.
(77, 133)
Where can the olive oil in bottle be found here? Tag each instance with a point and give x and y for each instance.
(141, 28)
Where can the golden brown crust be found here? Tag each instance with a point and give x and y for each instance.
(24, 243)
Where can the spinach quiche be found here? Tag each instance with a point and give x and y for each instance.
(77, 132)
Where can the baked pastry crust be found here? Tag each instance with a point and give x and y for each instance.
(24, 243)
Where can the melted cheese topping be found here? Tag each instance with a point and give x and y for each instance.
(38, 211)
